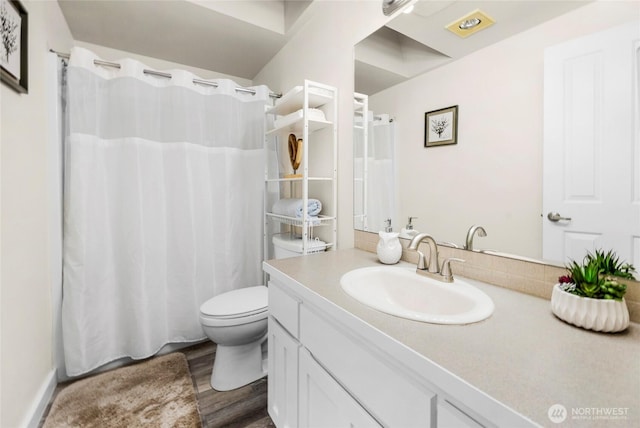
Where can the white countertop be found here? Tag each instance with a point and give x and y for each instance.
(522, 356)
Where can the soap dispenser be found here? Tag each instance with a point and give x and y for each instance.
(408, 232)
(389, 248)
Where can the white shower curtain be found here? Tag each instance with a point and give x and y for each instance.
(163, 206)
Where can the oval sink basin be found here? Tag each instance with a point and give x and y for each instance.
(404, 293)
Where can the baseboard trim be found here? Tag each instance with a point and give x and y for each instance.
(41, 401)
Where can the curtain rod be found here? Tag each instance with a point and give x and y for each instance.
(163, 74)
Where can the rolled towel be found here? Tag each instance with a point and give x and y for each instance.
(293, 207)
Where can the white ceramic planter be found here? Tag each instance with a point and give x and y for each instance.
(592, 314)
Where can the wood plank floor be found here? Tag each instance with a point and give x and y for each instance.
(244, 407)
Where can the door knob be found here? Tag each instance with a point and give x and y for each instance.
(557, 217)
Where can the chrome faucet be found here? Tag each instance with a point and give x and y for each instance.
(470, 233)
(432, 267)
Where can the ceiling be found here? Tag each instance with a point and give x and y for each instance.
(239, 37)
(232, 37)
(411, 44)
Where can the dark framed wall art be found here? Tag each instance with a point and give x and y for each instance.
(441, 127)
(14, 55)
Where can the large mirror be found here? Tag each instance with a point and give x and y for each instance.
(495, 174)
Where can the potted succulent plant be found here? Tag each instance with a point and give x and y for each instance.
(590, 295)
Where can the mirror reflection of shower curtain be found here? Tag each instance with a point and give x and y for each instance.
(381, 201)
(163, 200)
(360, 136)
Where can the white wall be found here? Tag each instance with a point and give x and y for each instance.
(493, 175)
(26, 336)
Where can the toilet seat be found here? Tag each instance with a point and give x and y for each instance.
(242, 305)
(236, 321)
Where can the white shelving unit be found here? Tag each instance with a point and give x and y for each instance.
(309, 112)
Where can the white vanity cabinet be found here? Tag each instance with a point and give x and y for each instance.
(301, 392)
(501, 372)
(324, 372)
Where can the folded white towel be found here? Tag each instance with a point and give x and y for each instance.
(293, 207)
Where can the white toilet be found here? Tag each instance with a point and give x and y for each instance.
(237, 322)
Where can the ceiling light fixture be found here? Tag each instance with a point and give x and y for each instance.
(390, 6)
(470, 23)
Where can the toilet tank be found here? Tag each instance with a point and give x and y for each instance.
(286, 246)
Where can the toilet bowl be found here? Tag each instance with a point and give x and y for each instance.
(237, 322)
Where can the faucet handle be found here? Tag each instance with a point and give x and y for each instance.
(446, 268)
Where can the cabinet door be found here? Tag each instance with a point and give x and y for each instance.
(324, 403)
(380, 383)
(282, 382)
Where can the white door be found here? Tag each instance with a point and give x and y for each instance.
(592, 146)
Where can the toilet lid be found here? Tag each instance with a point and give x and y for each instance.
(237, 303)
